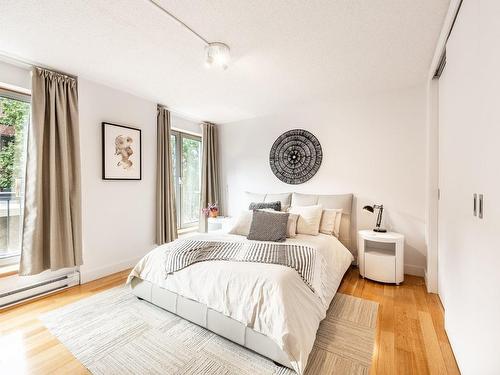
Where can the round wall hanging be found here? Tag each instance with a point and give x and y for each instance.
(295, 156)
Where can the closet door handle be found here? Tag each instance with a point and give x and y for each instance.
(480, 206)
(475, 204)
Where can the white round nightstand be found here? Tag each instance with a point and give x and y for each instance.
(381, 256)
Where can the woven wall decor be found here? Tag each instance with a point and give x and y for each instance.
(295, 156)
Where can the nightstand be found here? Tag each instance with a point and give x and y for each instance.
(216, 224)
(381, 256)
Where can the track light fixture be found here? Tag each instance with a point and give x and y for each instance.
(217, 54)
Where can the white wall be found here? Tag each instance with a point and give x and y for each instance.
(374, 147)
(469, 257)
(118, 216)
(186, 125)
(14, 75)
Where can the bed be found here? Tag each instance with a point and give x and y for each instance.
(264, 307)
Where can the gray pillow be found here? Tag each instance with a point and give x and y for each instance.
(276, 206)
(268, 226)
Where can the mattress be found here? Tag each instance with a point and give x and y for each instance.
(265, 300)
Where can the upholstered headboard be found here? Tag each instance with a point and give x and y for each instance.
(343, 201)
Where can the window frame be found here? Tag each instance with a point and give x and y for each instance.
(26, 98)
(179, 136)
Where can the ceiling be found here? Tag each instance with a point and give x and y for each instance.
(284, 52)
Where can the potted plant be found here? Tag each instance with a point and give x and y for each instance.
(212, 210)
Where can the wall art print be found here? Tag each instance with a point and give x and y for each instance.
(295, 156)
(121, 152)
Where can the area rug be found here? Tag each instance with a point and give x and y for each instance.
(114, 332)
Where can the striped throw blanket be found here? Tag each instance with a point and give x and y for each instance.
(303, 259)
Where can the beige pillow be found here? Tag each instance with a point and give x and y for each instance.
(309, 218)
(242, 223)
(330, 221)
(338, 220)
(291, 228)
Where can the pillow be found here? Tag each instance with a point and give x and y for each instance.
(268, 226)
(291, 228)
(243, 223)
(309, 219)
(284, 198)
(330, 221)
(276, 206)
(338, 220)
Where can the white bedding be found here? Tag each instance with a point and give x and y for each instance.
(271, 299)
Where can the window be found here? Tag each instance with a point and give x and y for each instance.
(14, 117)
(186, 157)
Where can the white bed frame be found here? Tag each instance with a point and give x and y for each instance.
(223, 325)
(212, 320)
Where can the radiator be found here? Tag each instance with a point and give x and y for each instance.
(16, 289)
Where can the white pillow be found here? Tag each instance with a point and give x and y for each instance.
(291, 227)
(243, 223)
(330, 221)
(309, 218)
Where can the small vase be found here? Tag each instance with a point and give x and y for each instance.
(213, 213)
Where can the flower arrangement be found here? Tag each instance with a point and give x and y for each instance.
(211, 211)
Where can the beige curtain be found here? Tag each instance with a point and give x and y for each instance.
(52, 212)
(210, 183)
(166, 218)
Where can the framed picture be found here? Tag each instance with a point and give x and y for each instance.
(121, 152)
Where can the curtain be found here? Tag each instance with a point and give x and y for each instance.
(166, 218)
(210, 183)
(52, 236)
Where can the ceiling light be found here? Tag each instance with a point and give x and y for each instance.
(217, 54)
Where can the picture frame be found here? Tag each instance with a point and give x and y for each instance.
(121, 152)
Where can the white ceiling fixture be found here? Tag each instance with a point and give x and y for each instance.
(216, 53)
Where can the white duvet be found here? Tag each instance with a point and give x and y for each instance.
(271, 299)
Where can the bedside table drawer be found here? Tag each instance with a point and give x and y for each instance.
(380, 266)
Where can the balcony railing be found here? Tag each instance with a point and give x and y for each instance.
(10, 224)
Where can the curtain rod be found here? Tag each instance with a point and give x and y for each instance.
(30, 64)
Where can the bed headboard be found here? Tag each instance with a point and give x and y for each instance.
(343, 201)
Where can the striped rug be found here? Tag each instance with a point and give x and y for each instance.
(115, 333)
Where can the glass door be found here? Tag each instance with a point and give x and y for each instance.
(14, 117)
(186, 157)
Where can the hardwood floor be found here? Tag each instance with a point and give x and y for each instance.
(410, 336)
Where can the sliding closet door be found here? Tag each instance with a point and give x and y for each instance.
(469, 155)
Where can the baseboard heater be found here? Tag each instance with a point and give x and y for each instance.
(22, 289)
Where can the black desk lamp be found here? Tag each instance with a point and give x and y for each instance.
(380, 209)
